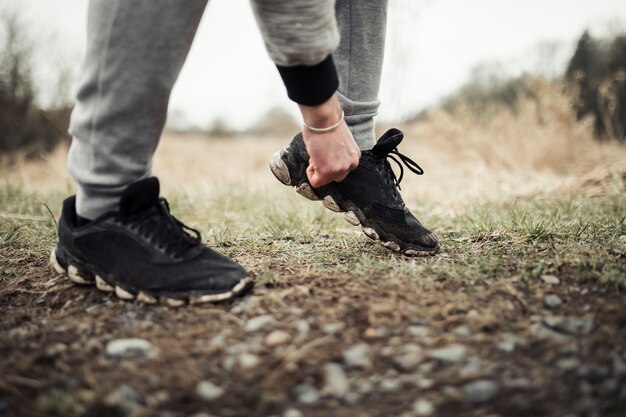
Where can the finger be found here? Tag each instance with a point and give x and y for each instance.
(310, 173)
(315, 178)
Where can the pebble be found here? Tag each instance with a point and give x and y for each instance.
(158, 398)
(522, 384)
(248, 360)
(418, 331)
(550, 279)
(568, 364)
(472, 368)
(336, 380)
(130, 348)
(552, 301)
(257, 323)
(229, 362)
(56, 349)
(363, 386)
(292, 412)
(208, 391)
(424, 383)
(219, 340)
(508, 342)
(124, 399)
(277, 337)
(568, 325)
(371, 333)
(546, 331)
(619, 366)
(481, 391)
(358, 356)
(427, 367)
(390, 384)
(413, 355)
(423, 407)
(306, 393)
(332, 328)
(452, 353)
(462, 330)
(303, 326)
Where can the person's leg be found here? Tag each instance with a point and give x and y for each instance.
(135, 50)
(359, 61)
(133, 245)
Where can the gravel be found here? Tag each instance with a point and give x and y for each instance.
(452, 353)
(260, 322)
(481, 391)
(358, 356)
(306, 394)
(337, 383)
(124, 399)
(248, 360)
(130, 348)
(292, 412)
(552, 301)
(276, 338)
(423, 407)
(208, 391)
(303, 326)
(550, 279)
(413, 355)
(418, 331)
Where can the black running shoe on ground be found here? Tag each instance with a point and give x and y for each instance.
(144, 253)
(369, 196)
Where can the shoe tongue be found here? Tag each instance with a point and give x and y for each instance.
(388, 142)
(139, 196)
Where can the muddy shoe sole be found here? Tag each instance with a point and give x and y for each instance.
(82, 275)
(333, 201)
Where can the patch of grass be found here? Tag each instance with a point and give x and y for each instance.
(279, 234)
(26, 220)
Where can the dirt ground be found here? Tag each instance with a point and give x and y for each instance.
(531, 359)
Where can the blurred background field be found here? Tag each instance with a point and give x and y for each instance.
(509, 129)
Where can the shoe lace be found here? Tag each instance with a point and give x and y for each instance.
(165, 230)
(412, 166)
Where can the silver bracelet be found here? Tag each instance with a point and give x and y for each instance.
(325, 129)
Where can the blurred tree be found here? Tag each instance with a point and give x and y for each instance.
(597, 71)
(23, 125)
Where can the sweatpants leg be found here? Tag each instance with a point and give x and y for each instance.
(135, 51)
(359, 62)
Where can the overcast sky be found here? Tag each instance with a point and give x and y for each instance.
(432, 47)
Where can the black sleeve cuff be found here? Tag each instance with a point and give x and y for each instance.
(310, 85)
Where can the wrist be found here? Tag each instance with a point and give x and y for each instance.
(324, 115)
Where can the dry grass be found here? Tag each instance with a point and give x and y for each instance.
(542, 149)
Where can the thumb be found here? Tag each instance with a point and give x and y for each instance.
(313, 176)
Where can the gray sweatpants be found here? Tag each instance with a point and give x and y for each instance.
(135, 51)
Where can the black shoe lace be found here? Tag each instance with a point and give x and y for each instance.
(166, 231)
(408, 162)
